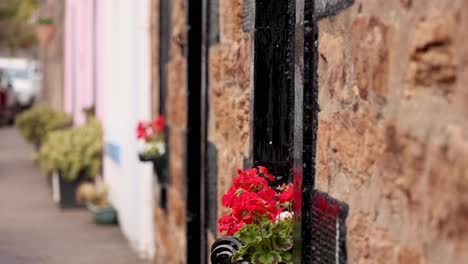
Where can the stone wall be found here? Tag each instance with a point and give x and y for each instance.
(391, 140)
(392, 128)
(228, 117)
(170, 223)
(229, 70)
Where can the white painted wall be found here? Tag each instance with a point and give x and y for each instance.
(127, 99)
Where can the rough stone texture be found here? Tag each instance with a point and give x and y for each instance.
(230, 95)
(176, 92)
(170, 224)
(229, 164)
(177, 156)
(230, 20)
(370, 55)
(229, 117)
(392, 139)
(170, 230)
(432, 53)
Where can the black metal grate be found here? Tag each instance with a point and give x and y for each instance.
(328, 228)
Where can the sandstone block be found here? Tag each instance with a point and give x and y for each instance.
(176, 93)
(432, 58)
(230, 18)
(370, 43)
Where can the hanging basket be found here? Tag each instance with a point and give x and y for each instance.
(44, 34)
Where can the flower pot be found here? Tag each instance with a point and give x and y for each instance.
(159, 165)
(103, 215)
(67, 191)
(44, 34)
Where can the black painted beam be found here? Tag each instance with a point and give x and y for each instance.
(194, 216)
(306, 124)
(273, 86)
(164, 51)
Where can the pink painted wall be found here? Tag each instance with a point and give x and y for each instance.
(81, 66)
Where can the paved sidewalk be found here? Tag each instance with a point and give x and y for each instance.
(32, 228)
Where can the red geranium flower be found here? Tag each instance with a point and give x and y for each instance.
(229, 225)
(250, 198)
(287, 195)
(159, 124)
(150, 130)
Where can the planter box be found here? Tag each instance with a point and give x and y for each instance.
(159, 165)
(67, 191)
(103, 215)
(44, 34)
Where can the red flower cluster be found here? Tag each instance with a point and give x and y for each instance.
(150, 130)
(250, 198)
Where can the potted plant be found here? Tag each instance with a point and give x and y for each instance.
(75, 154)
(151, 140)
(35, 123)
(95, 197)
(45, 30)
(258, 226)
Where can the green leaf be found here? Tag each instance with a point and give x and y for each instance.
(73, 151)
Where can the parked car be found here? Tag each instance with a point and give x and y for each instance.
(8, 99)
(25, 78)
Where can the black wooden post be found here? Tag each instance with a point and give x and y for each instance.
(164, 50)
(209, 153)
(164, 38)
(273, 86)
(195, 231)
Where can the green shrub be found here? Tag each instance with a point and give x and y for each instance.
(35, 123)
(73, 151)
(93, 193)
(44, 21)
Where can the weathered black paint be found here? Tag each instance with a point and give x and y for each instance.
(164, 50)
(209, 156)
(195, 227)
(306, 124)
(273, 87)
(212, 19)
(211, 185)
(164, 34)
